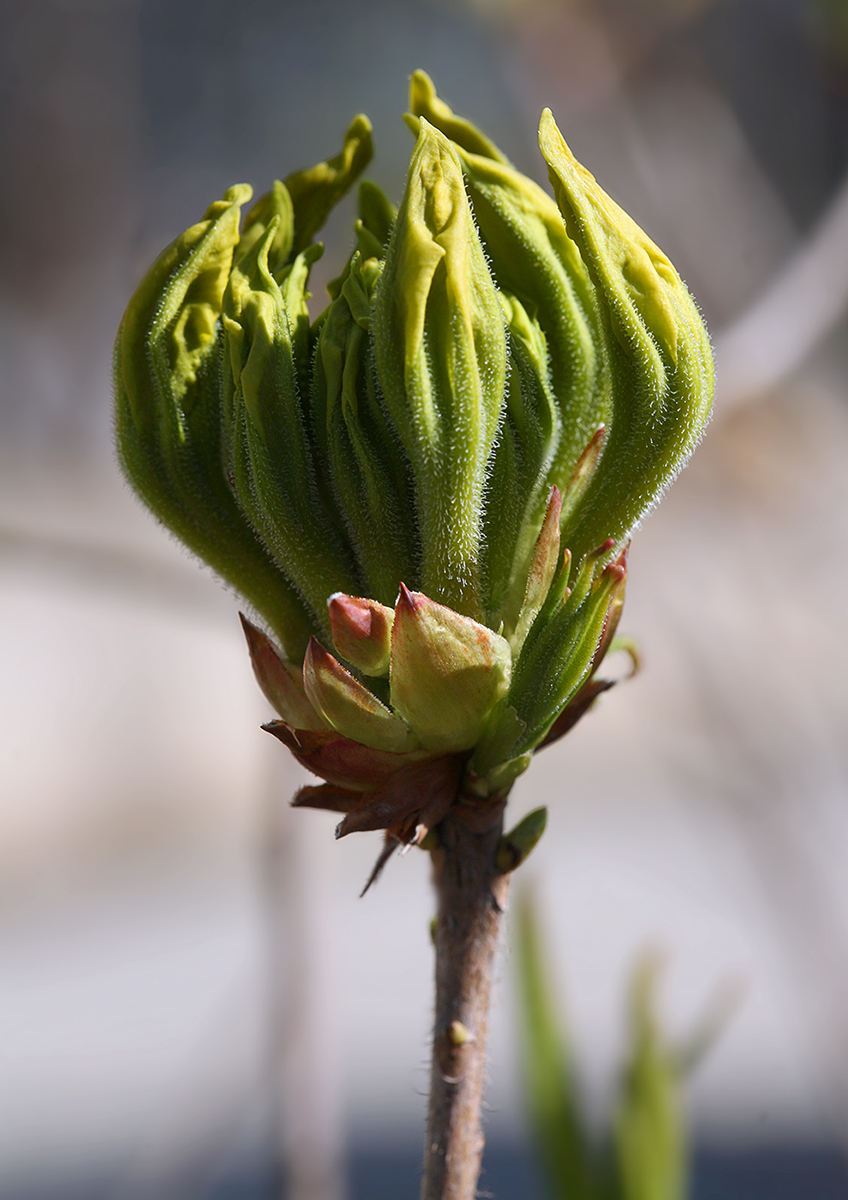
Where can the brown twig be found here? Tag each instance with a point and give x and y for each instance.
(471, 900)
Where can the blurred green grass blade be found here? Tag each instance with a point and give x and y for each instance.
(549, 1079)
(649, 1137)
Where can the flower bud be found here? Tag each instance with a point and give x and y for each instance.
(447, 672)
(437, 476)
(271, 455)
(362, 632)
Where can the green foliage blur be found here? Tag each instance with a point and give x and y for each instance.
(643, 1154)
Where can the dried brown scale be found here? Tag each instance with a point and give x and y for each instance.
(576, 708)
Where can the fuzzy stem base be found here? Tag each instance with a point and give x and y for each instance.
(471, 901)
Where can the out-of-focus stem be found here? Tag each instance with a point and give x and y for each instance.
(471, 901)
(306, 1137)
(788, 320)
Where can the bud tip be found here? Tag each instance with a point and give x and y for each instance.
(406, 598)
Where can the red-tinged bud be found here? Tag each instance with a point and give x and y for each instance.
(350, 707)
(362, 632)
(281, 682)
(447, 672)
(615, 572)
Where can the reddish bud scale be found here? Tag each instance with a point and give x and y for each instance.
(361, 630)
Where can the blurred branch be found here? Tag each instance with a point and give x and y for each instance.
(771, 775)
(788, 321)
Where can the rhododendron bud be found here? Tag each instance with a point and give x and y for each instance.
(426, 491)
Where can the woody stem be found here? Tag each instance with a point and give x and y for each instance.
(471, 900)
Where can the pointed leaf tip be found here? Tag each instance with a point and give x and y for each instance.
(543, 567)
(349, 706)
(281, 683)
(515, 847)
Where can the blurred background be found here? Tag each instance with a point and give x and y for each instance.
(192, 998)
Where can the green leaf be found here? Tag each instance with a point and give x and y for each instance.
(168, 416)
(440, 351)
(515, 493)
(537, 266)
(646, 1157)
(556, 659)
(649, 1139)
(359, 451)
(552, 1097)
(317, 190)
(657, 348)
(272, 460)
